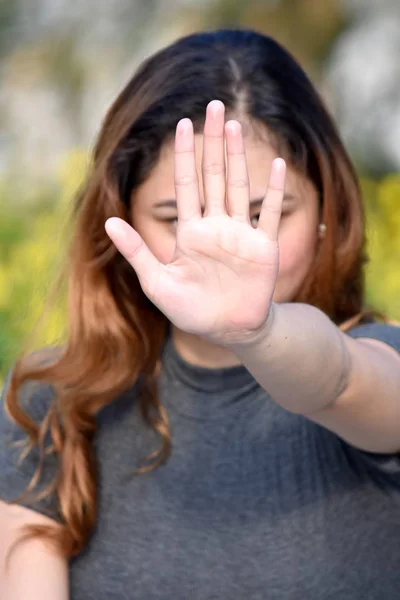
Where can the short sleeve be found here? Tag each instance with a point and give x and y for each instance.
(387, 465)
(390, 334)
(15, 474)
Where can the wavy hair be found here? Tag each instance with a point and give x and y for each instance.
(114, 334)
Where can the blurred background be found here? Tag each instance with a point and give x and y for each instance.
(62, 62)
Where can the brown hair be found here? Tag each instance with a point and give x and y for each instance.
(115, 334)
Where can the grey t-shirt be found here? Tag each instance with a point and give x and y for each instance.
(254, 503)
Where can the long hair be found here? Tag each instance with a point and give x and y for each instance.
(114, 334)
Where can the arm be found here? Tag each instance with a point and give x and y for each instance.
(33, 572)
(308, 366)
(220, 283)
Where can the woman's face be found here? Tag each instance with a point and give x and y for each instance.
(154, 213)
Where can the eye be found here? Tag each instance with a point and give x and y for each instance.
(171, 221)
(255, 218)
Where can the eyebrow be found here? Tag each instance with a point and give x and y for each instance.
(172, 203)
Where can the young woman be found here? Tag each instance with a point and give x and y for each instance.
(224, 419)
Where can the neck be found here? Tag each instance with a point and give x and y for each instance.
(198, 351)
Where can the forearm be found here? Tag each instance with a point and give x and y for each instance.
(300, 358)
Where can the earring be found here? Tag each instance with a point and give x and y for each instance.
(321, 230)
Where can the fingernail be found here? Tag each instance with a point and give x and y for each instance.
(215, 106)
(233, 127)
(279, 164)
(278, 170)
(183, 126)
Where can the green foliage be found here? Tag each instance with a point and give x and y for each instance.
(34, 240)
(383, 235)
(33, 245)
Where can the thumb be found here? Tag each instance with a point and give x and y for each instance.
(136, 252)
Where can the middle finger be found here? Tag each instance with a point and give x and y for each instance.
(213, 163)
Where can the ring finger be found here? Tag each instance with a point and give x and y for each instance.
(238, 179)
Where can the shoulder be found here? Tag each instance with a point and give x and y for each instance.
(383, 332)
(19, 458)
(33, 398)
(31, 402)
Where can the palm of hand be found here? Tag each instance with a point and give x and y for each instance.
(221, 279)
(218, 282)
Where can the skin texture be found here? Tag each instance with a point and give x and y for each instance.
(154, 216)
(243, 273)
(34, 570)
(229, 281)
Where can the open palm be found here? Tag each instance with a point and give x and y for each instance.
(221, 279)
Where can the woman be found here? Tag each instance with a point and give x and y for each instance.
(211, 430)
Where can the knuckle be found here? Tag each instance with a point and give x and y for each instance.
(272, 209)
(239, 183)
(184, 180)
(214, 169)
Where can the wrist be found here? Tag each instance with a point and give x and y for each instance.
(260, 336)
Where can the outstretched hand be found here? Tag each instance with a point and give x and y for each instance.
(221, 279)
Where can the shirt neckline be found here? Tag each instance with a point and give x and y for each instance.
(202, 392)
